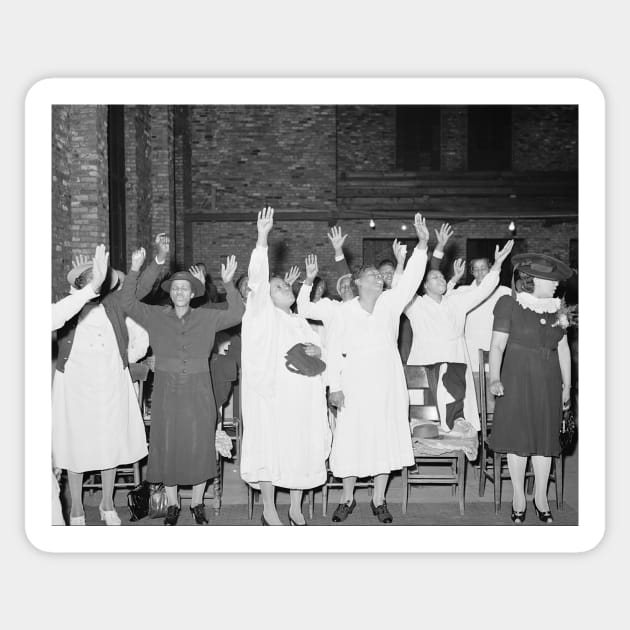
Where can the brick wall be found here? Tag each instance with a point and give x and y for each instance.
(545, 138)
(366, 138)
(454, 133)
(242, 156)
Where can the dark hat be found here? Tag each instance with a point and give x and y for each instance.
(426, 430)
(298, 362)
(542, 266)
(75, 272)
(196, 286)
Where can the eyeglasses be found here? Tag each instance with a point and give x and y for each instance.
(373, 274)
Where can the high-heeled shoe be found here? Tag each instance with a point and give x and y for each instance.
(199, 512)
(77, 520)
(545, 517)
(292, 522)
(172, 514)
(518, 517)
(109, 516)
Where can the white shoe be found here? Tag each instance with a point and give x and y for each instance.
(77, 520)
(109, 516)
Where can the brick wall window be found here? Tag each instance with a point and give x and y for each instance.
(116, 172)
(418, 137)
(489, 138)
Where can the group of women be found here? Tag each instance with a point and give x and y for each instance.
(295, 372)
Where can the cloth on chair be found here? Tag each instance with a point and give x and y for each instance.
(463, 437)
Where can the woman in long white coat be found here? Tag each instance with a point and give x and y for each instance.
(367, 382)
(286, 438)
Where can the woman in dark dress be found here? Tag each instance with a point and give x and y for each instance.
(534, 382)
(183, 423)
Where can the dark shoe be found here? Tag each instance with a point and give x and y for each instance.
(343, 511)
(292, 522)
(545, 517)
(381, 512)
(172, 514)
(199, 512)
(263, 520)
(518, 517)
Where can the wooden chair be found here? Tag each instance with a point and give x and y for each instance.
(493, 466)
(421, 409)
(126, 476)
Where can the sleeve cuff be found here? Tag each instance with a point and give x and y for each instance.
(339, 258)
(438, 254)
(158, 262)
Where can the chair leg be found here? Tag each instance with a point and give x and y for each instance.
(325, 497)
(496, 463)
(136, 473)
(311, 503)
(250, 501)
(405, 489)
(461, 480)
(482, 469)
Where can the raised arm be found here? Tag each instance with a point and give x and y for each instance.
(156, 269)
(337, 240)
(130, 303)
(442, 235)
(321, 310)
(400, 295)
(258, 271)
(478, 293)
(234, 313)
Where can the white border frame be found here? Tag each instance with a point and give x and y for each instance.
(360, 539)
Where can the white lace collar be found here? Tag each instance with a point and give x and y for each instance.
(538, 305)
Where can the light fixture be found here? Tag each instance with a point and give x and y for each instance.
(512, 227)
(372, 224)
(403, 227)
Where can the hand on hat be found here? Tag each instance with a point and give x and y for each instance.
(292, 275)
(99, 267)
(228, 270)
(310, 263)
(137, 259)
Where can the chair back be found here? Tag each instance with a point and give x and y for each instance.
(421, 406)
(486, 398)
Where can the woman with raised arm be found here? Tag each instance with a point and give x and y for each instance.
(367, 382)
(530, 372)
(437, 319)
(286, 438)
(183, 410)
(96, 420)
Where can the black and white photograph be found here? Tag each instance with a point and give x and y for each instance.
(318, 315)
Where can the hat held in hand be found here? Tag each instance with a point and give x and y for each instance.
(298, 362)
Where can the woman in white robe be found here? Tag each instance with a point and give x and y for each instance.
(286, 438)
(438, 319)
(367, 382)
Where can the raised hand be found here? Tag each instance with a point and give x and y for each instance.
(292, 275)
(197, 272)
(265, 220)
(80, 259)
(99, 267)
(420, 225)
(459, 268)
(229, 269)
(443, 234)
(163, 244)
(137, 259)
(310, 262)
(400, 252)
(501, 254)
(337, 240)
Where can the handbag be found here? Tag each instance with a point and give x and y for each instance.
(298, 362)
(568, 431)
(138, 501)
(158, 504)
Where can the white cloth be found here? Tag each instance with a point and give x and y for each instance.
(69, 306)
(438, 334)
(96, 420)
(286, 437)
(372, 434)
(478, 328)
(138, 340)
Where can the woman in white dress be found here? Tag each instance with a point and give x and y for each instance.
(437, 320)
(367, 382)
(286, 438)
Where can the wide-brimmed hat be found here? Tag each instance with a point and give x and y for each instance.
(338, 285)
(75, 272)
(542, 266)
(196, 286)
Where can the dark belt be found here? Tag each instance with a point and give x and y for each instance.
(190, 365)
(545, 352)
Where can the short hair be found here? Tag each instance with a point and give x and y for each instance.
(523, 282)
(422, 288)
(240, 281)
(474, 260)
(357, 273)
(387, 261)
(316, 283)
(83, 279)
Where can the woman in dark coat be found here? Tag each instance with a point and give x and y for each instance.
(183, 423)
(530, 372)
